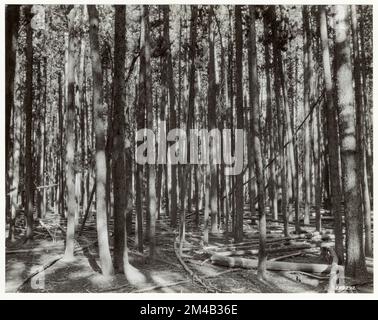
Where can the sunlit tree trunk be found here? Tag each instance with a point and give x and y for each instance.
(100, 168)
(151, 175)
(355, 257)
(70, 140)
(332, 137)
(254, 124)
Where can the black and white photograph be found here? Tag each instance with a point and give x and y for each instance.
(218, 148)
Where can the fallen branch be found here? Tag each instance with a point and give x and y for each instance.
(44, 267)
(171, 284)
(51, 263)
(191, 273)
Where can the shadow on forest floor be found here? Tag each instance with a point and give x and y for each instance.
(165, 275)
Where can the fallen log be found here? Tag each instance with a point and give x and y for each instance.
(193, 275)
(295, 254)
(256, 251)
(248, 244)
(270, 265)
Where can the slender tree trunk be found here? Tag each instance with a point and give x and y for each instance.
(280, 109)
(211, 119)
(254, 124)
(28, 107)
(332, 138)
(355, 257)
(172, 116)
(239, 120)
(102, 228)
(190, 118)
(269, 108)
(119, 128)
(70, 144)
(306, 101)
(151, 175)
(11, 34)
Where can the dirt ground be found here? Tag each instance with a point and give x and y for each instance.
(165, 275)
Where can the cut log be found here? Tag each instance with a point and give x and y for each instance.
(270, 265)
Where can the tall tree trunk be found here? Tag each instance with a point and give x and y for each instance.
(355, 257)
(306, 103)
(172, 117)
(280, 109)
(12, 13)
(119, 128)
(70, 140)
(151, 206)
(189, 119)
(333, 140)
(238, 234)
(269, 120)
(254, 124)
(140, 119)
(11, 34)
(211, 119)
(102, 228)
(28, 107)
(61, 161)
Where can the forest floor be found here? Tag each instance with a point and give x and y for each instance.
(165, 275)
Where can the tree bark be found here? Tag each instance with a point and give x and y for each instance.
(99, 113)
(269, 120)
(118, 152)
(70, 139)
(355, 257)
(238, 232)
(307, 56)
(332, 136)
(28, 107)
(211, 123)
(254, 124)
(11, 34)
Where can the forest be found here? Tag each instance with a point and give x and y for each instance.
(106, 192)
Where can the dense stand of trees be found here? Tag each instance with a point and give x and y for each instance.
(81, 80)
